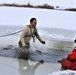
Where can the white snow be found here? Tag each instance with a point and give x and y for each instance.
(45, 17)
(67, 72)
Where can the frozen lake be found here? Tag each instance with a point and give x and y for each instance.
(58, 28)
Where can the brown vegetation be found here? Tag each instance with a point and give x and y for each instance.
(45, 6)
(71, 9)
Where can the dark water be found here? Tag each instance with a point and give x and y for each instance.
(51, 56)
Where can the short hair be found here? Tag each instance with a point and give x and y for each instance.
(75, 41)
(31, 20)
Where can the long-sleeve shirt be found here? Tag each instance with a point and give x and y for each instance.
(27, 34)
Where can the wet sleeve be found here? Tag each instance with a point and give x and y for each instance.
(25, 30)
(37, 35)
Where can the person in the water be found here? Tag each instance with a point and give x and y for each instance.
(30, 31)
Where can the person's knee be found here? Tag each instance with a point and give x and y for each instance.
(62, 68)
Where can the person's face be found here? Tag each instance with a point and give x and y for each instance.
(34, 23)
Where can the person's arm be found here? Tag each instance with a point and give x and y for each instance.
(36, 66)
(38, 36)
(23, 35)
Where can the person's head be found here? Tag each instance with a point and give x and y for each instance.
(33, 22)
(75, 41)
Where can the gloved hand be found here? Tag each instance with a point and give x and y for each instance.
(41, 61)
(43, 42)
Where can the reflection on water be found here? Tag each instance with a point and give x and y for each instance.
(11, 66)
(26, 69)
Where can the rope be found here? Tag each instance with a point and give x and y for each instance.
(11, 33)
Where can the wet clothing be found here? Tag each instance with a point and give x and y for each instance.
(26, 35)
(70, 61)
(23, 53)
(72, 55)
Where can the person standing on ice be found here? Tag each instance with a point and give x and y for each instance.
(30, 31)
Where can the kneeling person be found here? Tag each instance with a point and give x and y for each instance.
(70, 61)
